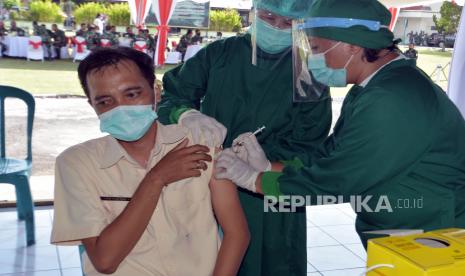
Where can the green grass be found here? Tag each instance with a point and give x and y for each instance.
(58, 77)
(438, 53)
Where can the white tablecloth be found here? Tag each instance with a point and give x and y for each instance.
(17, 46)
(191, 51)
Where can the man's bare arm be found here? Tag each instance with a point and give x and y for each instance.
(231, 218)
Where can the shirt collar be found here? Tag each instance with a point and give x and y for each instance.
(368, 79)
(166, 135)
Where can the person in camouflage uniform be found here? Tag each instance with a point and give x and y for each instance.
(41, 30)
(108, 34)
(82, 31)
(92, 38)
(143, 35)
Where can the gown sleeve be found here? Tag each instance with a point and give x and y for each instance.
(185, 85)
(377, 144)
(311, 123)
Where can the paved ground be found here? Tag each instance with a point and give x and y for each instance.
(59, 124)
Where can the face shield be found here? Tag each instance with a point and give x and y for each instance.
(271, 38)
(306, 88)
(311, 72)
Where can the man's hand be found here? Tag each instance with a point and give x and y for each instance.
(181, 162)
(249, 150)
(203, 125)
(229, 166)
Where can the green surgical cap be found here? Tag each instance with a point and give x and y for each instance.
(354, 9)
(287, 8)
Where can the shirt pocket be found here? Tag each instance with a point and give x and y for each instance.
(113, 208)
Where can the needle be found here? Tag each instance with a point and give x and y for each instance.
(259, 130)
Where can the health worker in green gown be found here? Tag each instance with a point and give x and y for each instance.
(398, 149)
(242, 83)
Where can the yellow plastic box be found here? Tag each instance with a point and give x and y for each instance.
(436, 253)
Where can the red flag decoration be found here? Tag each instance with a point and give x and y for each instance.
(163, 10)
(139, 11)
(394, 16)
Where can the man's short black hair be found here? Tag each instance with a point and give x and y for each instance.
(104, 57)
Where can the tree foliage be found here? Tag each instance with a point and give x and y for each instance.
(119, 14)
(85, 13)
(8, 4)
(225, 20)
(45, 11)
(450, 18)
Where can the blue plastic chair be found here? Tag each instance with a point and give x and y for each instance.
(82, 249)
(17, 171)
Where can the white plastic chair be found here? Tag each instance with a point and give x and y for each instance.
(124, 42)
(80, 50)
(35, 49)
(64, 54)
(173, 58)
(140, 46)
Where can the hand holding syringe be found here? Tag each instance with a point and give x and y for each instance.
(259, 130)
(248, 149)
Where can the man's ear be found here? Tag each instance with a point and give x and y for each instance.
(157, 89)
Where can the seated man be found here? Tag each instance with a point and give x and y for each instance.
(411, 53)
(92, 37)
(184, 42)
(82, 31)
(15, 29)
(129, 33)
(111, 38)
(59, 40)
(141, 201)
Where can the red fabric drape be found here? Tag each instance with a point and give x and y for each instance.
(105, 44)
(165, 8)
(140, 7)
(35, 45)
(140, 48)
(80, 46)
(394, 15)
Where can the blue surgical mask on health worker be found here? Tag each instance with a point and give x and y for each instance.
(327, 75)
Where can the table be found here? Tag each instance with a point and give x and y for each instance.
(17, 46)
(191, 51)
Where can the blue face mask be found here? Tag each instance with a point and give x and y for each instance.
(128, 122)
(270, 39)
(326, 75)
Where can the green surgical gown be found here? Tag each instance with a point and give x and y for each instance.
(398, 138)
(222, 83)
